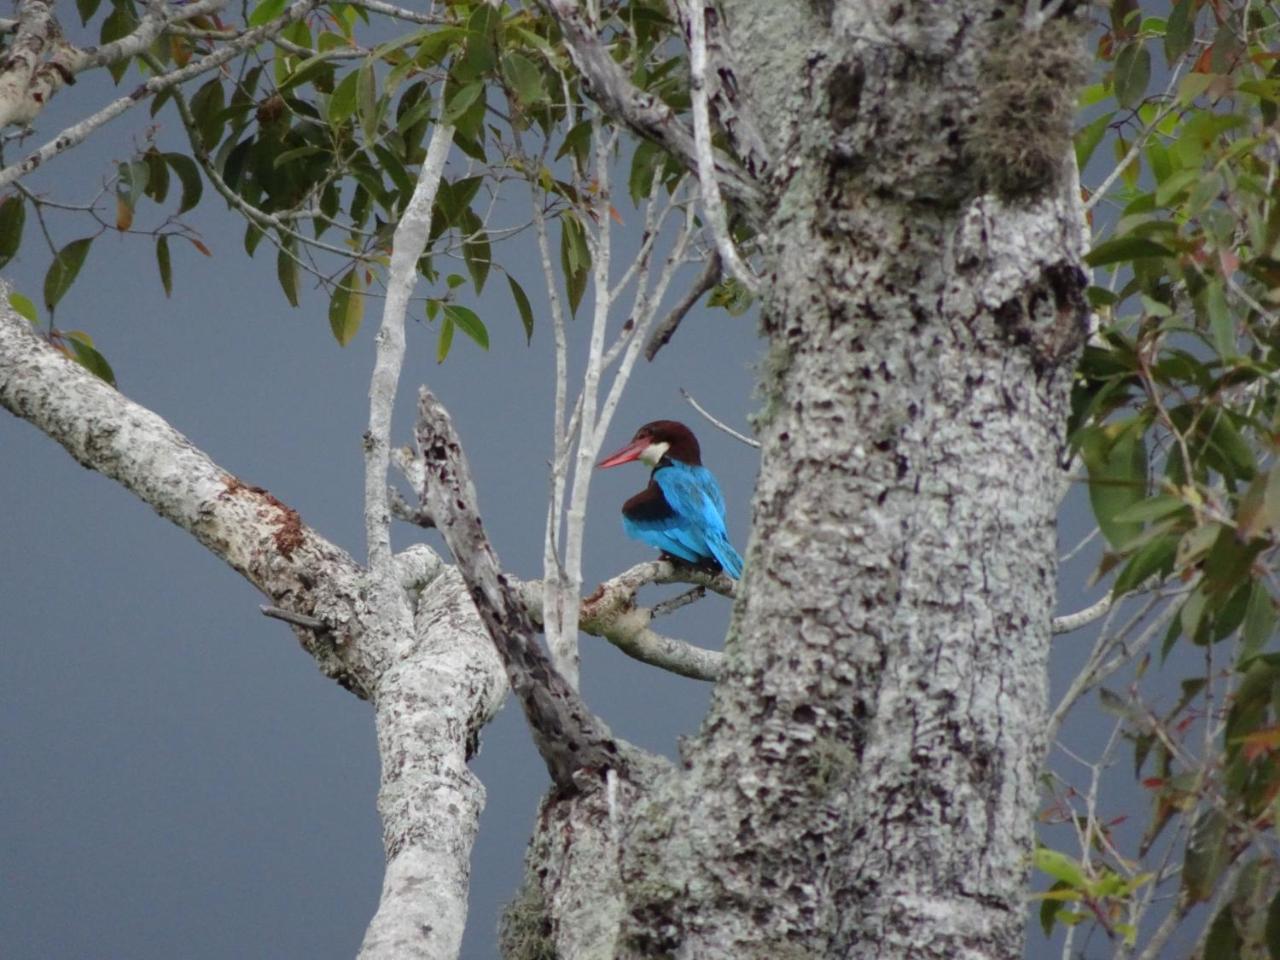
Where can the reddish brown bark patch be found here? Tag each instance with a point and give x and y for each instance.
(288, 536)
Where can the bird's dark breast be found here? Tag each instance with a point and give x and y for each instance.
(649, 505)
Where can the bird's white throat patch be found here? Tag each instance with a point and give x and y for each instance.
(653, 453)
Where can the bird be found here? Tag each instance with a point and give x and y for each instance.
(681, 511)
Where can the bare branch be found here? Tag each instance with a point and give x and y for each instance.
(643, 112)
(399, 13)
(408, 243)
(1070, 622)
(719, 425)
(731, 113)
(258, 536)
(665, 330)
(705, 159)
(666, 607)
(570, 738)
(402, 510)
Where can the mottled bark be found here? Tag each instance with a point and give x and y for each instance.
(424, 659)
(865, 781)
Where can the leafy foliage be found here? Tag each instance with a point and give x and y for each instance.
(1175, 422)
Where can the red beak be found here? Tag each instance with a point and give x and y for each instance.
(628, 453)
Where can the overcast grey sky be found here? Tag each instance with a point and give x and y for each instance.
(178, 779)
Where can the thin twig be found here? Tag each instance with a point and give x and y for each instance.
(297, 619)
(717, 423)
(680, 600)
(665, 330)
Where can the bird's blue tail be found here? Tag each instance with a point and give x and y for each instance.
(726, 556)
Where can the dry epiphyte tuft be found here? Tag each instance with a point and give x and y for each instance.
(1022, 129)
(525, 930)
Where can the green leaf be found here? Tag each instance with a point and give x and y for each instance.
(13, 214)
(1152, 509)
(522, 305)
(733, 295)
(87, 8)
(346, 307)
(1125, 248)
(1089, 136)
(578, 142)
(157, 175)
(476, 253)
(1259, 622)
(266, 11)
(468, 323)
(165, 265)
(87, 356)
(1221, 324)
(523, 75)
(24, 306)
(208, 107)
(575, 259)
(1133, 73)
(445, 341)
(461, 99)
(342, 102)
(63, 271)
(1116, 459)
(1207, 855)
(436, 46)
(1273, 928)
(1153, 557)
(367, 100)
(1059, 866)
(287, 272)
(189, 175)
(1180, 29)
(252, 237)
(1175, 184)
(1222, 942)
(120, 22)
(644, 163)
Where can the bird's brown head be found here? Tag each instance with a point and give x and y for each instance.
(657, 439)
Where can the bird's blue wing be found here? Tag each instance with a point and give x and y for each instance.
(698, 506)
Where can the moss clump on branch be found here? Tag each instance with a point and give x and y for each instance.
(1022, 129)
(525, 931)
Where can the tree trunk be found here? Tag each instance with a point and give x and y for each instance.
(865, 782)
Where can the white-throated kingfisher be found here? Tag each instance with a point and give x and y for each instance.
(681, 511)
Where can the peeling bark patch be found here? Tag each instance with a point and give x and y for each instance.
(288, 536)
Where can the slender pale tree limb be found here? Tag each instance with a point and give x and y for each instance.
(705, 158)
(724, 93)
(408, 243)
(611, 612)
(643, 112)
(564, 646)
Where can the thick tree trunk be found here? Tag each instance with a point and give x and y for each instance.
(865, 782)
